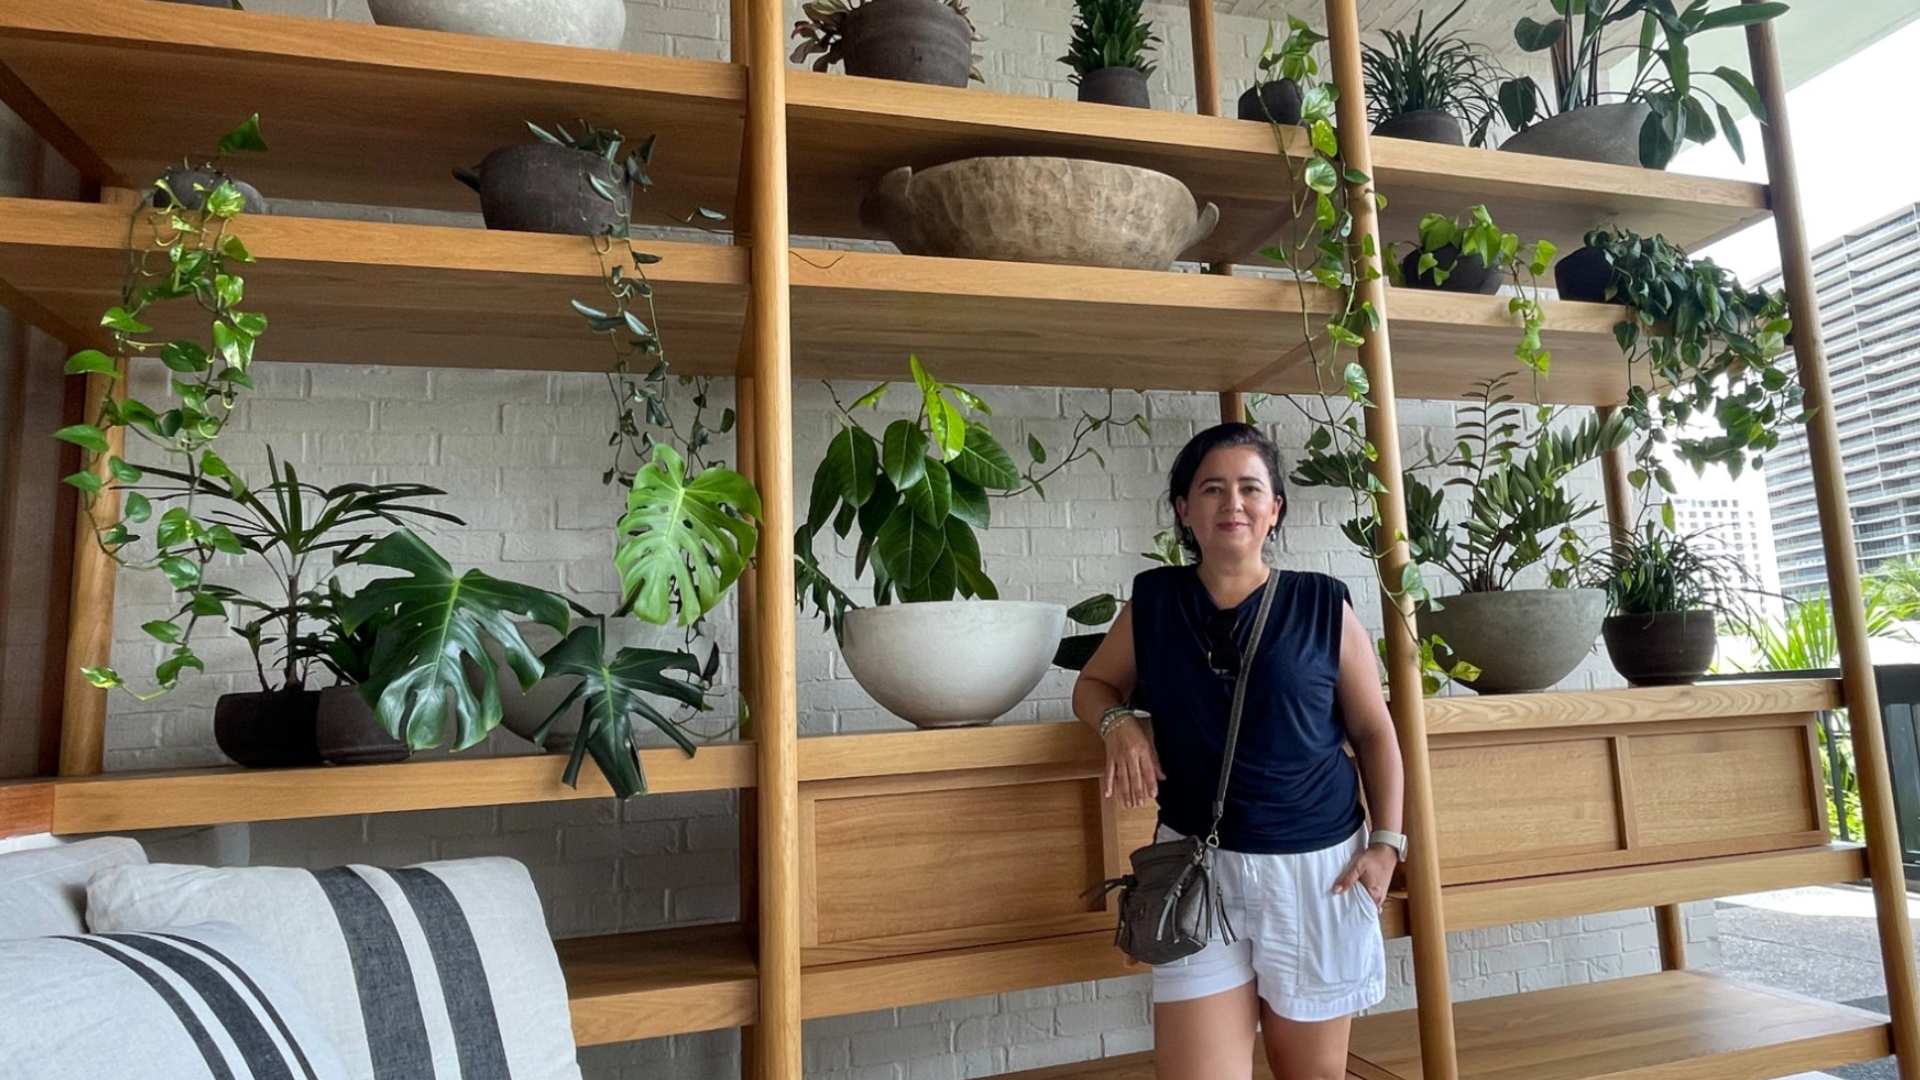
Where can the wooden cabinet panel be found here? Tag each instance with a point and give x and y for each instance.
(1525, 801)
(1702, 787)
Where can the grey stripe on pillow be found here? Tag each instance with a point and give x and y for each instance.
(260, 998)
(389, 1002)
(202, 1039)
(463, 979)
(249, 1035)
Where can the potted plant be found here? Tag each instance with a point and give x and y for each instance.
(1519, 516)
(1663, 592)
(592, 24)
(1468, 253)
(580, 185)
(917, 493)
(346, 731)
(1272, 100)
(923, 41)
(1430, 85)
(1108, 52)
(1662, 104)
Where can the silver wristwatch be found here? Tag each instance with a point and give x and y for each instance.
(1394, 840)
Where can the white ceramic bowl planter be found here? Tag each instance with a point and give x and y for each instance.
(952, 663)
(591, 24)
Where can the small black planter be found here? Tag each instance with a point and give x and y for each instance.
(539, 187)
(1278, 100)
(349, 733)
(1583, 275)
(1465, 273)
(192, 186)
(1424, 125)
(1116, 86)
(921, 41)
(274, 730)
(1667, 648)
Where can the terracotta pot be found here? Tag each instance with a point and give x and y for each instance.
(1465, 273)
(1608, 134)
(1666, 648)
(539, 187)
(268, 730)
(1116, 86)
(921, 41)
(1424, 125)
(349, 733)
(1278, 100)
(1040, 209)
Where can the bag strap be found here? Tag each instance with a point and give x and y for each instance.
(1239, 701)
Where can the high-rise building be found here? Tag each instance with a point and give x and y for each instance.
(1732, 519)
(1868, 285)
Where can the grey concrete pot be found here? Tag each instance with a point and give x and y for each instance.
(1521, 639)
(1663, 648)
(1608, 134)
(952, 663)
(1116, 86)
(921, 41)
(539, 187)
(350, 734)
(1040, 209)
(592, 24)
(1424, 125)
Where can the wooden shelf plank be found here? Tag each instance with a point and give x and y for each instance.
(351, 112)
(415, 295)
(660, 982)
(1677, 1025)
(117, 803)
(893, 753)
(838, 989)
(1466, 714)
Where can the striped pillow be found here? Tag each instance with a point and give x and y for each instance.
(197, 1002)
(443, 971)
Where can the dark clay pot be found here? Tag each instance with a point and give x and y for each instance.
(538, 187)
(1424, 125)
(1116, 86)
(921, 41)
(1465, 273)
(1583, 275)
(350, 734)
(274, 730)
(1668, 648)
(1279, 99)
(191, 187)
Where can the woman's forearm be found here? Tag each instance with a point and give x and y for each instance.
(1091, 697)
(1384, 779)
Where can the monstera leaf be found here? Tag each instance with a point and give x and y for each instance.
(611, 692)
(684, 539)
(434, 621)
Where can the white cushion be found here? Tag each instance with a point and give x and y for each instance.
(44, 890)
(191, 1003)
(443, 971)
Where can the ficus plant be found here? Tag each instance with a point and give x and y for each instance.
(177, 258)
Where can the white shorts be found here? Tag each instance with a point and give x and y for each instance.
(1311, 954)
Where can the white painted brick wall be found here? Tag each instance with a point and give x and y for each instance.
(506, 444)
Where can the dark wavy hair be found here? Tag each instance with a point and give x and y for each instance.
(1187, 465)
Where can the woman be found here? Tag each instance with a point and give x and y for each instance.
(1300, 872)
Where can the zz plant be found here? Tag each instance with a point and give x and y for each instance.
(177, 258)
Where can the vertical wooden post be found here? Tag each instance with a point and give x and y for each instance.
(83, 714)
(1425, 916)
(746, 406)
(1843, 566)
(1206, 58)
(775, 696)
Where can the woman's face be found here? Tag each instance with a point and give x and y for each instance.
(1231, 506)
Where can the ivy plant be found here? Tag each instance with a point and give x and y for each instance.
(1475, 234)
(184, 258)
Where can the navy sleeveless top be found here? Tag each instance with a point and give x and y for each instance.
(1293, 787)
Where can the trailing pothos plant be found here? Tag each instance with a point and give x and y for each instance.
(1475, 234)
(917, 493)
(184, 258)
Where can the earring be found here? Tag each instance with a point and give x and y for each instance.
(1273, 533)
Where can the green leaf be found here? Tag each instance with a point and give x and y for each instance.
(184, 357)
(1534, 36)
(1325, 140)
(117, 318)
(123, 471)
(225, 200)
(435, 625)
(92, 362)
(851, 466)
(908, 546)
(137, 509)
(182, 572)
(85, 436)
(904, 454)
(971, 504)
(1095, 610)
(101, 678)
(161, 630)
(984, 461)
(932, 496)
(613, 691)
(85, 481)
(245, 138)
(685, 541)
(1356, 381)
(870, 399)
(1035, 451)
(1321, 176)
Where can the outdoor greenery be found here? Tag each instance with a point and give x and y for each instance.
(1109, 34)
(1663, 77)
(1431, 69)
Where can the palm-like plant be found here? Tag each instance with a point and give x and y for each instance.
(1109, 34)
(1430, 69)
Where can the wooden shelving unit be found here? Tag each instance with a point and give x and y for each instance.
(376, 115)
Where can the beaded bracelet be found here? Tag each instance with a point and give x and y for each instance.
(1111, 718)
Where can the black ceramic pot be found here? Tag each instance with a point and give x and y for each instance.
(1278, 100)
(921, 41)
(1424, 125)
(349, 733)
(271, 730)
(1667, 648)
(539, 187)
(1583, 275)
(1465, 273)
(191, 187)
(1116, 86)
